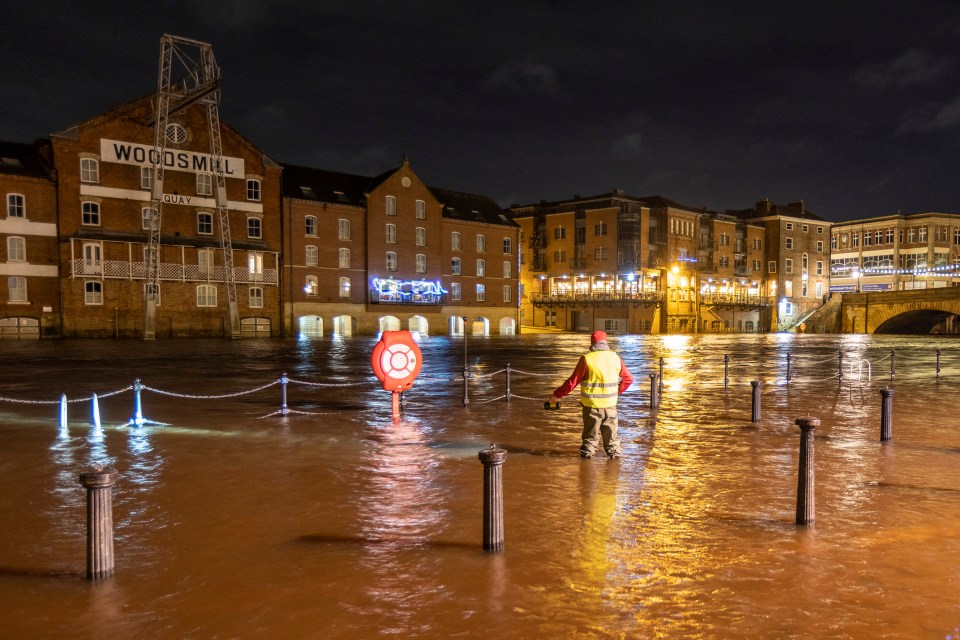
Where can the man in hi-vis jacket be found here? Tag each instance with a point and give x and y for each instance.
(602, 377)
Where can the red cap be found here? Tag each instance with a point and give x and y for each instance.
(597, 336)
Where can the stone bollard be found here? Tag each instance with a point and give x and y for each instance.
(755, 405)
(99, 485)
(654, 391)
(788, 368)
(806, 503)
(492, 460)
(886, 414)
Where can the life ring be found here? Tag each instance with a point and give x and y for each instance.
(396, 360)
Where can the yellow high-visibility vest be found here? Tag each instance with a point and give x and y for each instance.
(598, 389)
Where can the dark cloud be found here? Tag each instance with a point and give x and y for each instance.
(851, 108)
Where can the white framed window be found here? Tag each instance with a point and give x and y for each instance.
(204, 184)
(15, 205)
(788, 308)
(311, 285)
(789, 242)
(455, 291)
(313, 256)
(455, 266)
(205, 223)
(17, 289)
(508, 245)
(772, 266)
(421, 209)
(391, 234)
(146, 178)
(391, 205)
(344, 287)
(147, 215)
(205, 261)
(789, 226)
(507, 293)
(89, 170)
(820, 246)
(820, 230)
(481, 267)
(421, 237)
(481, 293)
(788, 265)
(310, 225)
(507, 269)
(343, 229)
(253, 190)
(600, 229)
(255, 262)
(92, 292)
(455, 241)
(391, 264)
(90, 213)
(819, 267)
(206, 295)
(256, 298)
(16, 249)
(600, 253)
(421, 263)
(819, 289)
(343, 258)
(481, 243)
(254, 228)
(788, 288)
(805, 228)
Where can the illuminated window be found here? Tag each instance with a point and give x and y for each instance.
(344, 287)
(256, 297)
(310, 285)
(15, 206)
(204, 184)
(313, 256)
(343, 258)
(89, 170)
(255, 262)
(206, 295)
(481, 293)
(16, 249)
(481, 268)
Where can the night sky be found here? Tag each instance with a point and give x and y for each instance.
(853, 107)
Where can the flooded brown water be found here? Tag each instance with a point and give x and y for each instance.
(339, 522)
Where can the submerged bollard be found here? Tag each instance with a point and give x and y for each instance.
(137, 406)
(726, 370)
(95, 416)
(788, 368)
(284, 410)
(466, 366)
(892, 370)
(492, 460)
(654, 391)
(660, 384)
(886, 414)
(99, 485)
(755, 405)
(938, 364)
(507, 391)
(806, 503)
(64, 429)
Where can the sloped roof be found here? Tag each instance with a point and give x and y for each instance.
(325, 186)
(471, 207)
(23, 159)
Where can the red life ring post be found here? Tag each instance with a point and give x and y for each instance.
(396, 361)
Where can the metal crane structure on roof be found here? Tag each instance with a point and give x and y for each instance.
(197, 81)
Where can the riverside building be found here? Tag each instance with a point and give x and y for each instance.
(626, 264)
(370, 254)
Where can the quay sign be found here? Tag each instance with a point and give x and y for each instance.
(143, 155)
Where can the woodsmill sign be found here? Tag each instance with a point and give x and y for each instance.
(143, 155)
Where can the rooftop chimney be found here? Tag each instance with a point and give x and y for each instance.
(763, 206)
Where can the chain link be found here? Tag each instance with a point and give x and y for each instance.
(214, 397)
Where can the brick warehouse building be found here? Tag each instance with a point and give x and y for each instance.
(368, 254)
(104, 180)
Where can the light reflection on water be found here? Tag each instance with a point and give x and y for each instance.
(341, 522)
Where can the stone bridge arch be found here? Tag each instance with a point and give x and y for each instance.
(901, 312)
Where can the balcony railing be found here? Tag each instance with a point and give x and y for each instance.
(738, 299)
(599, 296)
(122, 269)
